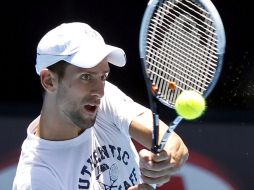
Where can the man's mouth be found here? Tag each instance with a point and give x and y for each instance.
(90, 108)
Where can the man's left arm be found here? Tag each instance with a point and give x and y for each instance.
(157, 168)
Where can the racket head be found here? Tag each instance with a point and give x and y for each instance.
(181, 46)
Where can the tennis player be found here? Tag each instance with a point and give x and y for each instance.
(82, 138)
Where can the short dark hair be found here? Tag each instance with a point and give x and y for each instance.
(59, 68)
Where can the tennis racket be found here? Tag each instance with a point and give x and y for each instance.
(181, 45)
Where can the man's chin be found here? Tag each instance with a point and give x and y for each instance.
(82, 121)
(87, 124)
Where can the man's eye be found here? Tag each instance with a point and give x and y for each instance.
(85, 77)
(104, 77)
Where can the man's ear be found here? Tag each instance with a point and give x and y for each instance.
(48, 80)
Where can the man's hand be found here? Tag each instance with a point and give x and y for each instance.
(142, 186)
(158, 168)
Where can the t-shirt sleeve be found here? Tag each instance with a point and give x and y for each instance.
(121, 108)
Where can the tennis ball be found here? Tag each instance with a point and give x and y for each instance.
(190, 104)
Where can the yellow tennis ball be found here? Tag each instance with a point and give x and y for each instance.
(190, 104)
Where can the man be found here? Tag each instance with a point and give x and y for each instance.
(83, 137)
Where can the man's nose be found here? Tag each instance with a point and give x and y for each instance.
(98, 88)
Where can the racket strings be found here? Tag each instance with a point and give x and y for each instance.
(180, 27)
(194, 12)
(178, 56)
(166, 56)
(201, 21)
(163, 72)
(181, 48)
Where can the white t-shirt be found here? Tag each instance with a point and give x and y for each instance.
(102, 157)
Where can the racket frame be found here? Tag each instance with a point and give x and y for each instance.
(153, 97)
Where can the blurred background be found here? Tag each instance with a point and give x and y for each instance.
(220, 142)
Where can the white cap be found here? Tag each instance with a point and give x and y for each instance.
(78, 44)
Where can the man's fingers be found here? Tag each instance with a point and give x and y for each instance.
(161, 156)
(155, 162)
(179, 158)
(142, 186)
(158, 168)
(158, 180)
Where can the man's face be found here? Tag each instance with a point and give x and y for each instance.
(79, 93)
